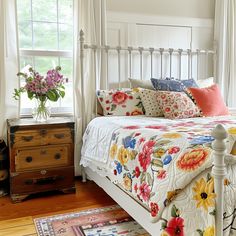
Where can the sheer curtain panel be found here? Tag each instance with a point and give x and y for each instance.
(90, 16)
(225, 37)
(8, 63)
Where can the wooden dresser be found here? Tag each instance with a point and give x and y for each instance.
(41, 156)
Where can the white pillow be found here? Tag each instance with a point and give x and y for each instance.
(203, 83)
(138, 83)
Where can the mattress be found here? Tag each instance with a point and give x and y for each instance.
(165, 165)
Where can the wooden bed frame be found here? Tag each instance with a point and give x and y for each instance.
(140, 214)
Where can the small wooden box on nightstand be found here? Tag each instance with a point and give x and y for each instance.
(41, 156)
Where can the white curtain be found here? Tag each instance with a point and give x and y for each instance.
(225, 37)
(90, 16)
(9, 108)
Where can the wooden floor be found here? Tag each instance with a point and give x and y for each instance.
(17, 219)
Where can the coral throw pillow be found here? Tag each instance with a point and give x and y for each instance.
(209, 100)
(124, 102)
(176, 105)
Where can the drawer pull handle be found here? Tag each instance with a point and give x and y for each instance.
(42, 181)
(43, 172)
(27, 138)
(57, 156)
(29, 159)
(59, 136)
(43, 132)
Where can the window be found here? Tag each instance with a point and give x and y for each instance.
(45, 30)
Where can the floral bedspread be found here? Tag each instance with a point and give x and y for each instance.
(166, 166)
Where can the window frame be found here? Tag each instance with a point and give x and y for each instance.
(23, 52)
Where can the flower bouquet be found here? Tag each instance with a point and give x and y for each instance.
(42, 88)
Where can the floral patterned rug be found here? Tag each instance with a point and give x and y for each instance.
(110, 221)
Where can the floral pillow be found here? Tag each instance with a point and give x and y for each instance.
(149, 101)
(123, 102)
(177, 105)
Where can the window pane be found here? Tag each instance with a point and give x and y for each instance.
(65, 11)
(43, 64)
(45, 36)
(25, 34)
(24, 61)
(65, 37)
(67, 67)
(44, 10)
(24, 10)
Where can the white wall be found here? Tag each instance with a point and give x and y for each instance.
(182, 8)
(160, 23)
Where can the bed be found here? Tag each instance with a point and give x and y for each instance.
(161, 170)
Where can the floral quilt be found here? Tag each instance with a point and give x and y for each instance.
(166, 167)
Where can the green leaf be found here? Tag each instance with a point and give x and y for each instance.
(149, 179)
(208, 177)
(126, 168)
(52, 96)
(113, 107)
(213, 213)
(164, 224)
(142, 177)
(200, 232)
(30, 95)
(62, 94)
(174, 211)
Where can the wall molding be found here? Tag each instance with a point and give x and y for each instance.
(125, 17)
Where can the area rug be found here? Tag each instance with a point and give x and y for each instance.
(109, 221)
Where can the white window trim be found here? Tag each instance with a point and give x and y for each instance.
(46, 53)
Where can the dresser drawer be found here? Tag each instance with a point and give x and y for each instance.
(42, 137)
(42, 157)
(42, 180)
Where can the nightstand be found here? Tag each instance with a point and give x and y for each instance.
(41, 156)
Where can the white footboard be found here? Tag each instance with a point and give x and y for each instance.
(219, 172)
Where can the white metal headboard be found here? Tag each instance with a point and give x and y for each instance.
(127, 52)
(170, 52)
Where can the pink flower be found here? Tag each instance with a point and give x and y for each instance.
(175, 227)
(173, 150)
(137, 172)
(145, 191)
(136, 188)
(119, 98)
(161, 174)
(141, 140)
(144, 157)
(154, 209)
(131, 127)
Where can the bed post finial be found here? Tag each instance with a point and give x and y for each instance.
(219, 172)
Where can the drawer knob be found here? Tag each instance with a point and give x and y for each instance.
(27, 138)
(29, 159)
(43, 172)
(57, 156)
(43, 132)
(59, 136)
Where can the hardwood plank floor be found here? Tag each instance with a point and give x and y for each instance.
(16, 219)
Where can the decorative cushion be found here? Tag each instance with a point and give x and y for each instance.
(168, 85)
(137, 83)
(177, 105)
(123, 102)
(204, 83)
(149, 101)
(209, 100)
(189, 83)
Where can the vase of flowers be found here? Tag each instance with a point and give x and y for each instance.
(42, 89)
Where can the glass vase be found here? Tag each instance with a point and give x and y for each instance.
(41, 112)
